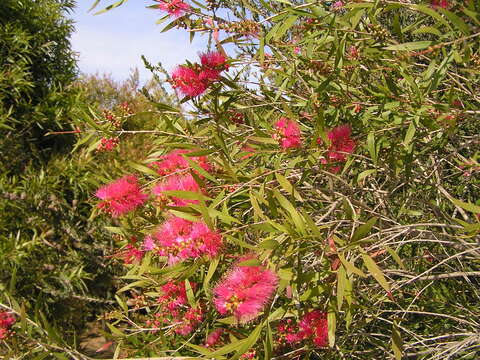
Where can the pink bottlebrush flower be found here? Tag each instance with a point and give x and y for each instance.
(188, 81)
(175, 162)
(314, 325)
(440, 3)
(178, 182)
(121, 196)
(148, 243)
(297, 50)
(174, 8)
(214, 337)
(337, 5)
(244, 291)
(287, 133)
(180, 239)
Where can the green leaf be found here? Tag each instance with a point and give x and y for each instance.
(250, 262)
(142, 168)
(332, 324)
(409, 46)
(249, 342)
(375, 271)
(287, 186)
(269, 244)
(364, 229)
(211, 270)
(467, 206)
(455, 19)
(351, 269)
(190, 295)
(371, 146)
(110, 7)
(364, 174)
(341, 286)
(397, 343)
(114, 330)
(287, 205)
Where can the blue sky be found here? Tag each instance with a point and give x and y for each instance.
(112, 42)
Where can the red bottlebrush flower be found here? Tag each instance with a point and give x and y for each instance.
(180, 239)
(287, 133)
(214, 60)
(353, 53)
(190, 321)
(174, 295)
(107, 144)
(209, 75)
(6, 322)
(188, 81)
(174, 8)
(244, 291)
(121, 196)
(182, 183)
(440, 3)
(175, 162)
(341, 143)
(213, 63)
(131, 254)
(314, 325)
(249, 355)
(214, 337)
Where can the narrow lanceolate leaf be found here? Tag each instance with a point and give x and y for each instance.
(332, 324)
(410, 46)
(341, 286)
(249, 342)
(375, 271)
(211, 270)
(467, 206)
(397, 343)
(351, 269)
(364, 229)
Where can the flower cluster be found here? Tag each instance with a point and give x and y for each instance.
(174, 8)
(440, 3)
(180, 239)
(108, 144)
(121, 196)
(313, 326)
(244, 291)
(174, 309)
(287, 133)
(194, 80)
(340, 144)
(174, 162)
(6, 322)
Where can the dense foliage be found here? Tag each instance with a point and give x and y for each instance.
(313, 193)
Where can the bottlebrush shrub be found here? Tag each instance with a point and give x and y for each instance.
(334, 220)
